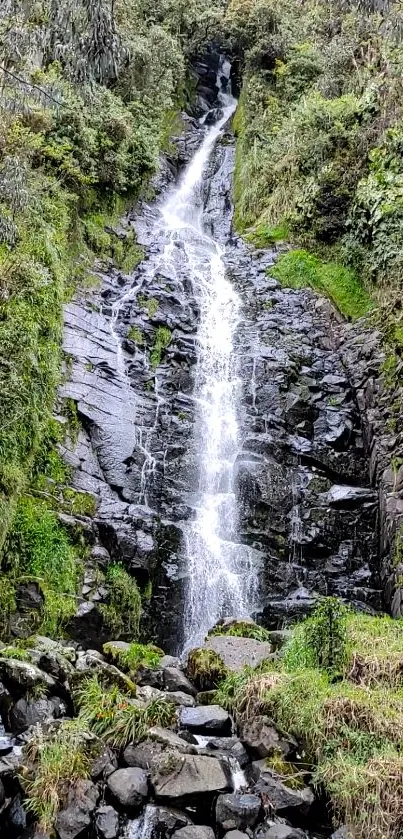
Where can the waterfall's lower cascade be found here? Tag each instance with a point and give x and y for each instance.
(219, 435)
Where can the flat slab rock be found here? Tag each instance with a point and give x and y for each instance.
(206, 719)
(184, 777)
(237, 653)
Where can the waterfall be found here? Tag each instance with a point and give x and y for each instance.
(221, 579)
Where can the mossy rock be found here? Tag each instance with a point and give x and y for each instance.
(205, 668)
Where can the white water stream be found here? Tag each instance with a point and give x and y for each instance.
(221, 576)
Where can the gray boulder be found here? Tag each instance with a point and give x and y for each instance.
(76, 818)
(180, 699)
(107, 822)
(238, 653)
(283, 800)
(206, 719)
(169, 738)
(237, 811)
(261, 739)
(23, 713)
(145, 755)
(186, 777)
(236, 834)
(129, 787)
(24, 675)
(175, 680)
(195, 831)
(280, 830)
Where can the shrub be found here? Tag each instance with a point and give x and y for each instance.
(138, 655)
(205, 668)
(122, 612)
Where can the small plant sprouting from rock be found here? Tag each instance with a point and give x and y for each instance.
(135, 334)
(135, 656)
(148, 303)
(163, 338)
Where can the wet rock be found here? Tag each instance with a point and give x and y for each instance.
(231, 746)
(180, 699)
(107, 822)
(129, 787)
(206, 719)
(195, 831)
(238, 653)
(75, 819)
(283, 800)
(237, 811)
(175, 680)
(17, 814)
(2, 794)
(103, 765)
(186, 778)
(23, 675)
(168, 738)
(23, 713)
(144, 755)
(350, 495)
(279, 830)
(261, 739)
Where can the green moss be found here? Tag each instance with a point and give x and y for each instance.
(150, 304)
(243, 629)
(205, 668)
(135, 334)
(301, 269)
(79, 503)
(136, 656)
(163, 338)
(71, 413)
(264, 235)
(38, 548)
(122, 612)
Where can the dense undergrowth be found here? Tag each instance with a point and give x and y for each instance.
(319, 154)
(89, 94)
(337, 688)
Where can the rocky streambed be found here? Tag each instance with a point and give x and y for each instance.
(198, 778)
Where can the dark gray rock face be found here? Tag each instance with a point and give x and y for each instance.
(107, 822)
(206, 719)
(129, 787)
(283, 800)
(76, 817)
(279, 830)
(237, 811)
(195, 831)
(301, 475)
(189, 778)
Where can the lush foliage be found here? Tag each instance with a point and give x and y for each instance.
(242, 629)
(318, 692)
(85, 91)
(205, 668)
(122, 612)
(319, 156)
(135, 656)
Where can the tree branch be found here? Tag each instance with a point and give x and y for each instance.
(30, 84)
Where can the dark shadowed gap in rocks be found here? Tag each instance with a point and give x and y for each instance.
(229, 466)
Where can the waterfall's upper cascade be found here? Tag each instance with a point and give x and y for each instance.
(221, 573)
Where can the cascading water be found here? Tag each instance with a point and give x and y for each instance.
(221, 577)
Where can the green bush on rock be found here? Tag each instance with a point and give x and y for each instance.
(205, 668)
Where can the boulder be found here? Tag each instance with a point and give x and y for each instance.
(76, 817)
(103, 765)
(231, 746)
(236, 834)
(206, 719)
(180, 699)
(237, 811)
(23, 713)
(24, 675)
(279, 830)
(188, 777)
(145, 755)
(166, 820)
(261, 739)
(129, 787)
(195, 831)
(238, 653)
(284, 801)
(107, 822)
(175, 680)
(169, 738)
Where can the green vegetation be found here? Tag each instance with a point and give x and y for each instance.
(136, 656)
(116, 717)
(81, 130)
(163, 338)
(318, 161)
(122, 613)
(205, 668)
(55, 763)
(135, 334)
(318, 692)
(242, 629)
(299, 269)
(150, 304)
(38, 548)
